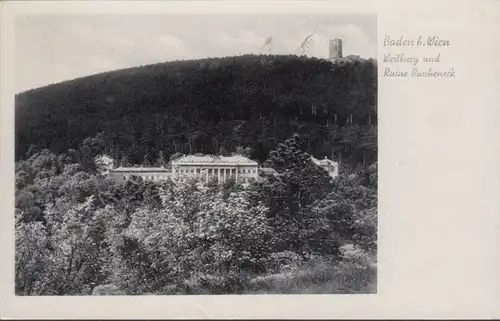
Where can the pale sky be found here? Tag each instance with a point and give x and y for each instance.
(51, 49)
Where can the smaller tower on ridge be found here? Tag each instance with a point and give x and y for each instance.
(335, 48)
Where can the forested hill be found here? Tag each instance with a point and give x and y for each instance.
(209, 106)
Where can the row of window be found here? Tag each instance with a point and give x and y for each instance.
(147, 178)
(211, 172)
(158, 178)
(241, 180)
(214, 170)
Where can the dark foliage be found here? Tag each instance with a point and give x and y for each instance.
(79, 232)
(209, 106)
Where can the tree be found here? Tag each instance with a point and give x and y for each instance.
(26, 202)
(32, 150)
(176, 156)
(160, 161)
(287, 156)
(245, 103)
(300, 183)
(124, 162)
(62, 256)
(32, 257)
(304, 180)
(247, 152)
(147, 160)
(195, 232)
(223, 151)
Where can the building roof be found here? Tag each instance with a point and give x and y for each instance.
(213, 160)
(267, 170)
(323, 162)
(140, 169)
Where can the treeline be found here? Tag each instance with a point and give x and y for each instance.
(294, 231)
(209, 106)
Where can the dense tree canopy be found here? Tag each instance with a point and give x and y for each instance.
(207, 106)
(79, 232)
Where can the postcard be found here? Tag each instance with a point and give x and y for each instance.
(250, 159)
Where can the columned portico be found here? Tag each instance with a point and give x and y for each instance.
(221, 168)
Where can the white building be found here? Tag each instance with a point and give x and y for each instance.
(104, 163)
(218, 168)
(146, 173)
(206, 168)
(330, 166)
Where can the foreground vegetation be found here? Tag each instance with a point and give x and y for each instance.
(293, 231)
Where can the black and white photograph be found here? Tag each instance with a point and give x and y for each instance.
(195, 154)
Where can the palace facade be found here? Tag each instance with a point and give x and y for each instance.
(215, 168)
(202, 167)
(208, 168)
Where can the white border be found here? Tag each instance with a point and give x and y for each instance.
(439, 179)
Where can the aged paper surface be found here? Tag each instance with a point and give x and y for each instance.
(438, 173)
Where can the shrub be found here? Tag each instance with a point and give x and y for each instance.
(281, 261)
(355, 272)
(107, 289)
(198, 240)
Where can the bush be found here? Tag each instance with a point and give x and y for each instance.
(107, 289)
(281, 261)
(355, 272)
(198, 246)
(78, 233)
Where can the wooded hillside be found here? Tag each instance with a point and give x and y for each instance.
(209, 106)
